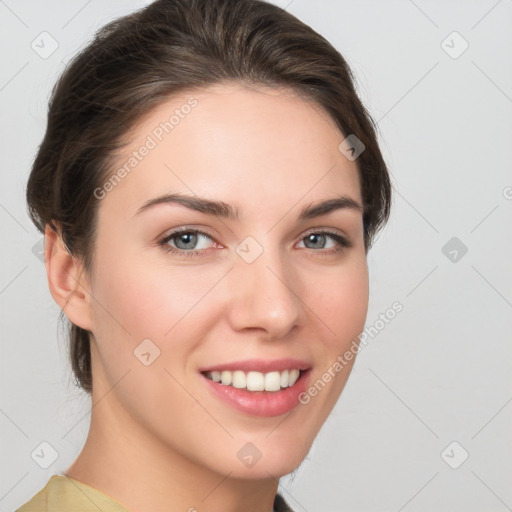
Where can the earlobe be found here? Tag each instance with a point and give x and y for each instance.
(66, 280)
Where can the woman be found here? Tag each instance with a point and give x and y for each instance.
(209, 186)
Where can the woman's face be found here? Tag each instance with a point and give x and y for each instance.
(263, 291)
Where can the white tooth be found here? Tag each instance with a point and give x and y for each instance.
(294, 375)
(272, 381)
(284, 379)
(226, 377)
(255, 381)
(239, 380)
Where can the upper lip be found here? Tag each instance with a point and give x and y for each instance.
(260, 365)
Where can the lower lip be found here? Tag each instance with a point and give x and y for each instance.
(261, 403)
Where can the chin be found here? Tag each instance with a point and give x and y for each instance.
(263, 470)
(264, 459)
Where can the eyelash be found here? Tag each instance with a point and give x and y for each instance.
(342, 242)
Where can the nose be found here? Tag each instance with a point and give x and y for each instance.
(264, 296)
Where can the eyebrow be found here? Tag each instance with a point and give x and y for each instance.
(224, 210)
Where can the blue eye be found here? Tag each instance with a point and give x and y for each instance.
(321, 238)
(184, 240)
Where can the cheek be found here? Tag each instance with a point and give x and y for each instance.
(142, 298)
(340, 307)
(135, 301)
(342, 303)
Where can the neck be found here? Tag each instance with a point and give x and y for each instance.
(123, 460)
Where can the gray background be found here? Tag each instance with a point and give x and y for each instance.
(439, 372)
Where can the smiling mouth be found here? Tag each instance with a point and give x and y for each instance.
(256, 381)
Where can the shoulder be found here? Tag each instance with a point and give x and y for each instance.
(62, 494)
(38, 502)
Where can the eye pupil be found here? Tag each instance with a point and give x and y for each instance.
(315, 238)
(188, 238)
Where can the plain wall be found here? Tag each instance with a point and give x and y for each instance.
(437, 373)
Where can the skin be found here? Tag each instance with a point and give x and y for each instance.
(269, 153)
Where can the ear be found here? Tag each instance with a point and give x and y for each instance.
(67, 279)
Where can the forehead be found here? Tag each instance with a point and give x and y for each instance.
(236, 143)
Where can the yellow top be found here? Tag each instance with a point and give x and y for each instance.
(64, 494)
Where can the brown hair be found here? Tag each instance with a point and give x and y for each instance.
(140, 60)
